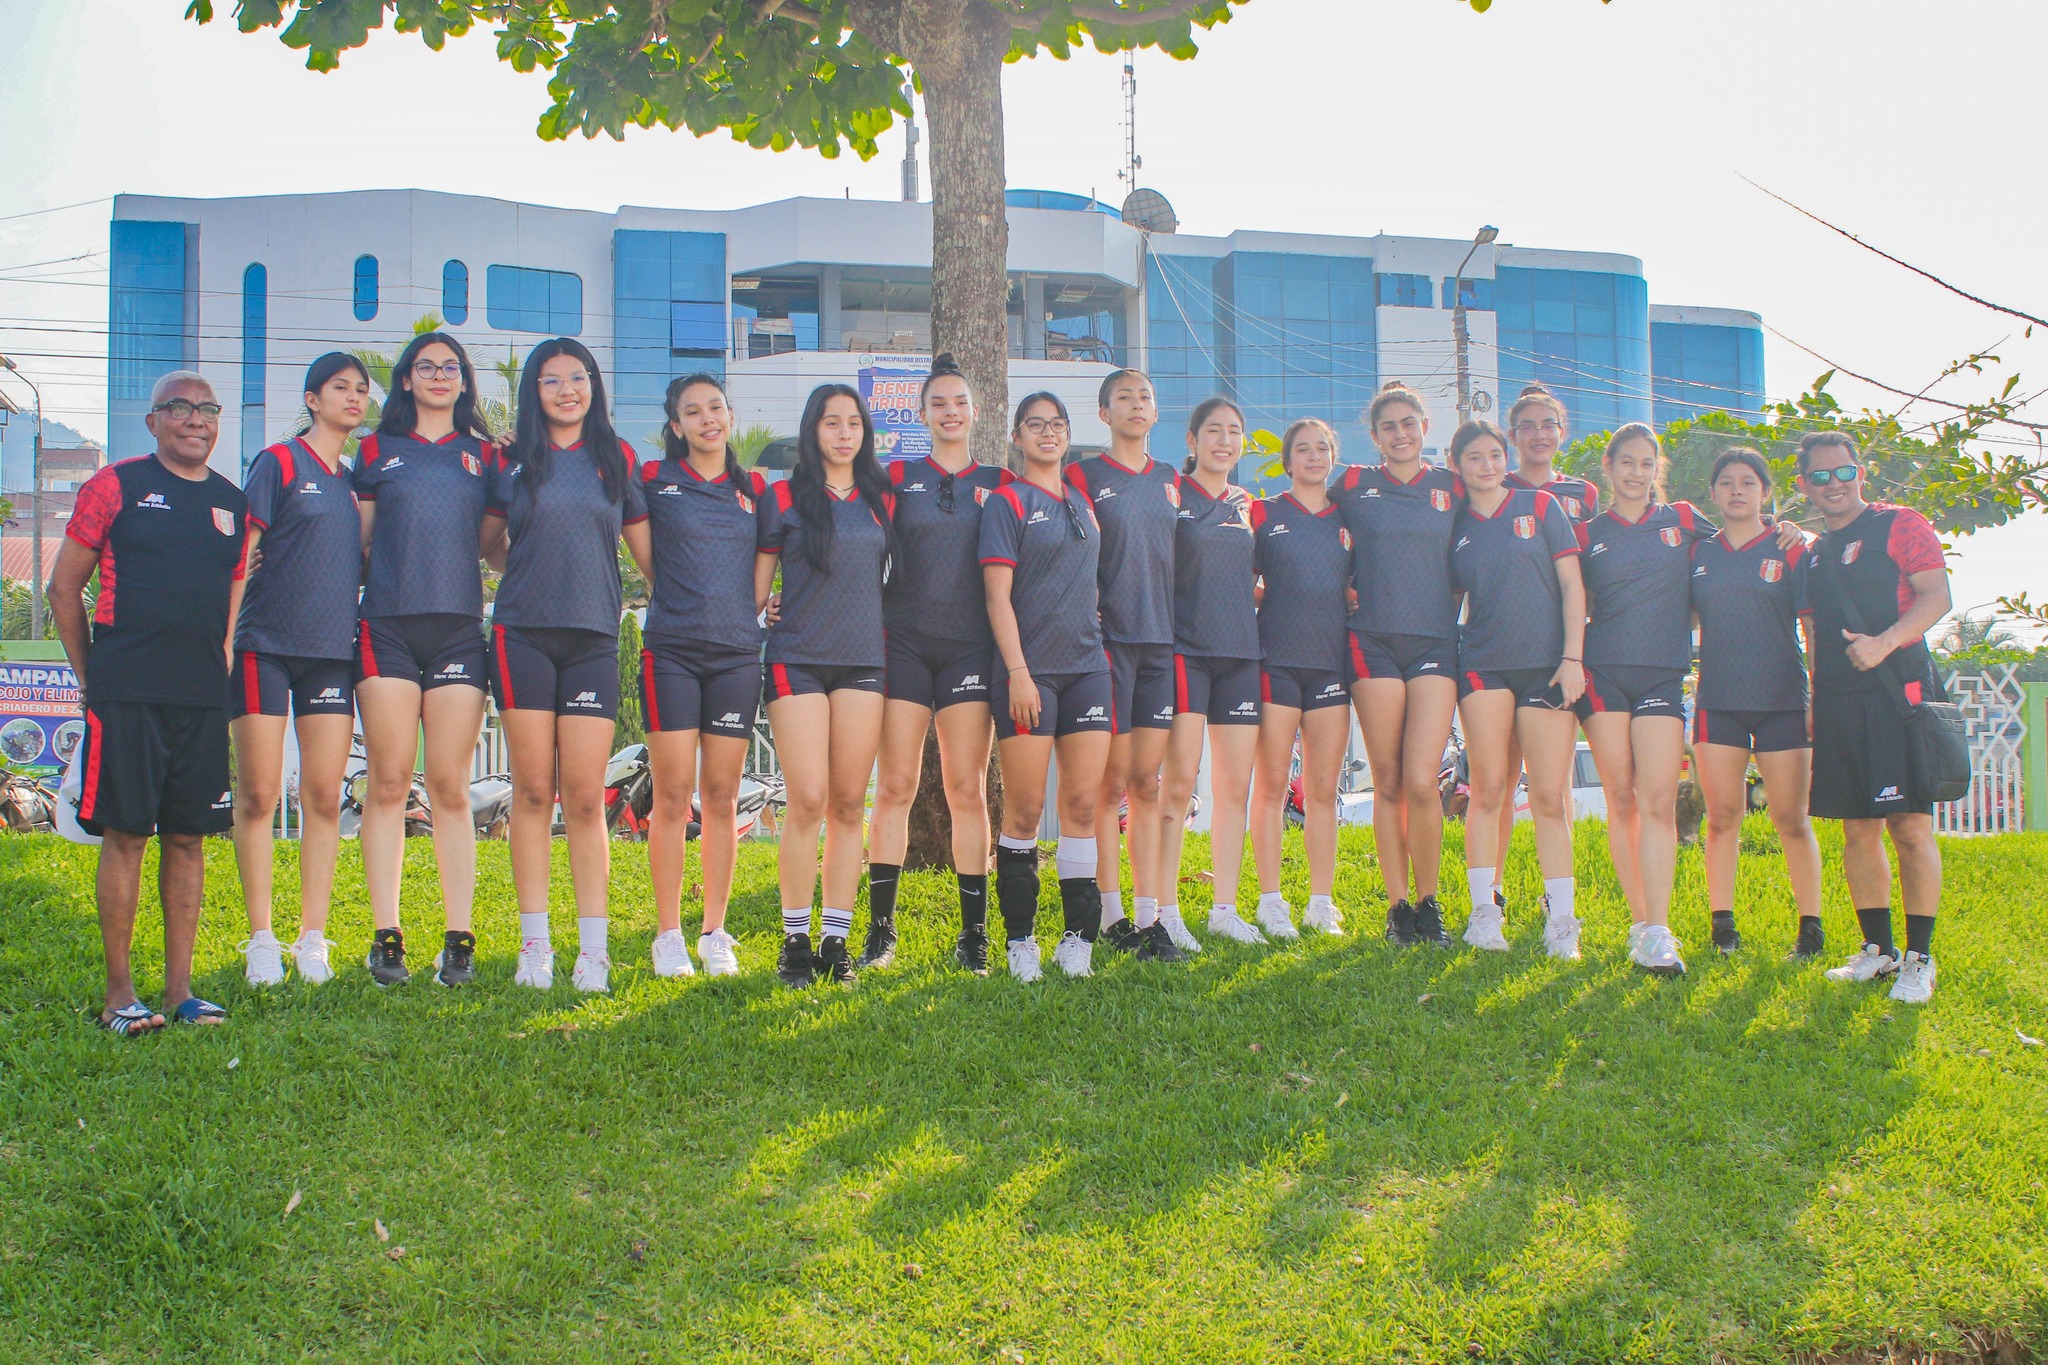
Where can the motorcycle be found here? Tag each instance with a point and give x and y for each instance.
(629, 798)
(490, 800)
(27, 804)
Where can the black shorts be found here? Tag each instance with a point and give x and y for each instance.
(1862, 766)
(1406, 657)
(149, 769)
(936, 673)
(1760, 732)
(1225, 691)
(434, 651)
(1140, 687)
(1068, 704)
(686, 686)
(1304, 689)
(290, 684)
(819, 680)
(1531, 686)
(1635, 690)
(542, 668)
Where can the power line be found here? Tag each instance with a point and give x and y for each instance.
(37, 213)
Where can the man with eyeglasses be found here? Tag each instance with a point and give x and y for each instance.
(1878, 585)
(168, 538)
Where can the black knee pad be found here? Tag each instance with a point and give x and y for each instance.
(1017, 890)
(1081, 901)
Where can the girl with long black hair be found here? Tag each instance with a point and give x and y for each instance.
(938, 646)
(828, 526)
(700, 672)
(294, 654)
(420, 658)
(562, 498)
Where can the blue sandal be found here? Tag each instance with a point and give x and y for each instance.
(193, 1010)
(131, 1020)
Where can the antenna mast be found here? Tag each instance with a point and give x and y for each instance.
(911, 137)
(1133, 163)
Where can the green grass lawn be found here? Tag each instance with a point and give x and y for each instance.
(1329, 1151)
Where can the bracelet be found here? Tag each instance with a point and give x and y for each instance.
(1568, 659)
(1021, 668)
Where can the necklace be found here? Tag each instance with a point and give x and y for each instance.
(841, 489)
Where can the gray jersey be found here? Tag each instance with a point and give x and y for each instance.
(1054, 543)
(1137, 510)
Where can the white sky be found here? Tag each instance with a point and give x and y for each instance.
(1570, 124)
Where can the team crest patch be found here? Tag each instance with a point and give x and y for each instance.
(472, 464)
(746, 503)
(1575, 507)
(1772, 570)
(1344, 538)
(1851, 550)
(980, 496)
(1669, 535)
(1440, 499)
(1525, 527)
(223, 521)
(1173, 494)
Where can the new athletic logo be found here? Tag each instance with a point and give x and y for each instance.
(1279, 528)
(1890, 794)
(454, 671)
(1700, 571)
(1094, 713)
(1771, 570)
(972, 680)
(729, 718)
(668, 490)
(1599, 548)
(154, 502)
(226, 802)
(396, 463)
(584, 699)
(1245, 708)
(309, 487)
(1037, 515)
(1440, 499)
(223, 521)
(1463, 541)
(1525, 528)
(913, 488)
(1331, 689)
(329, 694)
(1669, 535)
(1850, 551)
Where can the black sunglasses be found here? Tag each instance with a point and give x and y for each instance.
(946, 492)
(1079, 522)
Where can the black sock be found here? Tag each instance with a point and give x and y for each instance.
(973, 902)
(1877, 928)
(1805, 920)
(1920, 934)
(882, 879)
(1723, 919)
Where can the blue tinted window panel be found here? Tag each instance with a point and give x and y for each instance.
(365, 288)
(455, 293)
(1554, 285)
(1307, 298)
(1556, 346)
(1262, 298)
(1589, 286)
(1593, 318)
(1519, 314)
(255, 332)
(1596, 350)
(1553, 315)
(697, 327)
(565, 303)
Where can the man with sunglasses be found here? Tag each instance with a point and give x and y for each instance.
(1878, 585)
(168, 538)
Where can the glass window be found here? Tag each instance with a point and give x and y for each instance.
(1478, 294)
(517, 299)
(366, 288)
(1594, 318)
(1554, 315)
(455, 293)
(1404, 291)
(697, 328)
(255, 332)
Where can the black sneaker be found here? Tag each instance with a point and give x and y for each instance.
(1727, 939)
(796, 966)
(1812, 943)
(1158, 945)
(455, 965)
(1401, 924)
(834, 964)
(1429, 923)
(1123, 936)
(880, 949)
(387, 958)
(971, 951)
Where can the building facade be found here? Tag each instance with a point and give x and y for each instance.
(779, 297)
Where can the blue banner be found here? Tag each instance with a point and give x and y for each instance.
(39, 722)
(892, 397)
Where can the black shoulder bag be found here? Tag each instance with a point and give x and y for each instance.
(1935, 740)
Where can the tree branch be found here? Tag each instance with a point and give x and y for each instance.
(1110, 15)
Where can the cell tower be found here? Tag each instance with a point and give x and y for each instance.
(1133, 163)
(911, 137)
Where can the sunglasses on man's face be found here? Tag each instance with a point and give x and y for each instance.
(1821, 478)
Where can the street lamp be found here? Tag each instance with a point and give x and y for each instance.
(1486, 237)
(35, 502)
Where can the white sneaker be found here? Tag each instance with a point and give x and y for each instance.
(536, 965)
(1177, 930)
(265, 959)
(1657, 951)
(1561, 937)
(1074, 955)
(1024, 960)
(1635, 938)
(672, 954)
(1915, 985)
(592, 974)
(1276, 917)
(1869, 964)
(1484, 929)
(1225, 920)
(1322, 916)
(720, 952)
(309, 956)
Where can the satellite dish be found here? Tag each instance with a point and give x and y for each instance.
(1148, 211)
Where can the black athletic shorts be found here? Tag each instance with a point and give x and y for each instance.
(1531, 686)
(567, 671)
(1226, 691)
(149, 769)
(290, 684)
(688, 686)
(818, 680)
(1068, 704)
(1760, 732)
(1862, 769)
(1406, 657)
(1304, 689)
(1633, 690)
(936, 673)
(1140, 686)
(434, 651)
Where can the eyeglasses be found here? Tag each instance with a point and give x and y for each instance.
(1044, 426)
(1821, 478)
(181, 410)
(1074, 517)
(427, 369)
(1547, 427)
(555, 383)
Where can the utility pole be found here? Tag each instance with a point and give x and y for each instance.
(35, 502)
(1461, 333)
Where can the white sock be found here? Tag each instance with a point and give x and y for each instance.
(1145, 911)
(262, 937)
(1075, 857)
(1558, 890)
(1480, 880)
(835, 923)
(1276, 900)
(534, 925)
(593, 935)
(1016, 845)
(1170, 910)
(796, 919)
(1112, 907)
(1320, 903)
(1221, 908)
